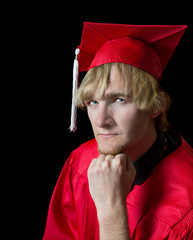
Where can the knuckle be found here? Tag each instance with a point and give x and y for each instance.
(118, 161)
(92, 165)
(106, 165)
(109, 157)
(101, 157)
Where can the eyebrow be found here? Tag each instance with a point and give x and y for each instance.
(116, 94)
(109, 95)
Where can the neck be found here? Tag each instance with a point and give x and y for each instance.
(142, 146)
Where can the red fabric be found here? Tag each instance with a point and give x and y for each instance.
(160, 208)
(129, 51)
(148, 47)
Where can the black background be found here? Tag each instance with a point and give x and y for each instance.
(52, 35)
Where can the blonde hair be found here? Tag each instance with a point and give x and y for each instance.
(142, 87)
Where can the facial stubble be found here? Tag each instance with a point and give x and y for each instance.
(114, 151)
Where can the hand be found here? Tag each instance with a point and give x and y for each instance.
(110, 179)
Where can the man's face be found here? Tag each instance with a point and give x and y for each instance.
(117, 123)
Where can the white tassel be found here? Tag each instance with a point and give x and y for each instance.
(74, 88)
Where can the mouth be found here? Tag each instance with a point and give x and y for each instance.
(107, 135)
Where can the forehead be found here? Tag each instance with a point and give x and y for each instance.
(107, 80)
(116, 81)
(116, 84)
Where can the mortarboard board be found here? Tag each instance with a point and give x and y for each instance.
(132, 44)
(148, 47)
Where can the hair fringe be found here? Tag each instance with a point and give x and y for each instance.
(143, 88)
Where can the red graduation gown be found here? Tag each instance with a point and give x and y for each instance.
(160, 208)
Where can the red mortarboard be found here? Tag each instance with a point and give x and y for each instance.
(148, 47)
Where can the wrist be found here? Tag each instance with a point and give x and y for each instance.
(113, 222)
(112, 210)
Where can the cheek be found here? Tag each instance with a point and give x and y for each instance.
(133, 120)
(127, 116)
(91, 117)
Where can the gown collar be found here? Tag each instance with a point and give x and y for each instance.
(166, 143)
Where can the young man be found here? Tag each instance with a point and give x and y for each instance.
(134, 180)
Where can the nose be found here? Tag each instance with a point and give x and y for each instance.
(104, 117)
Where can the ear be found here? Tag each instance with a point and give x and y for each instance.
(156, 112)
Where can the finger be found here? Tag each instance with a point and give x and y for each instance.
(121, 159)
(109, 157)
(93, 163)
(100, 159)
(106, 164)
(126, 161)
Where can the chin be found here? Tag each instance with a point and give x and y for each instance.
(113, 150)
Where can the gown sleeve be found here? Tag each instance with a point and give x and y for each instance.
(183, 230)
(61, 219)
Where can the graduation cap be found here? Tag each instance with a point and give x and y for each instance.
(148, 47)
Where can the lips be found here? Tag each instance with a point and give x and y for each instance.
(107, 135)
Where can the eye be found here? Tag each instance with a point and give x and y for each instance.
(91, 103)
(120, 100)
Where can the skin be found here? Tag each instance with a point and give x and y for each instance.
(118, 125)
(124, 134)
(107, 176)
